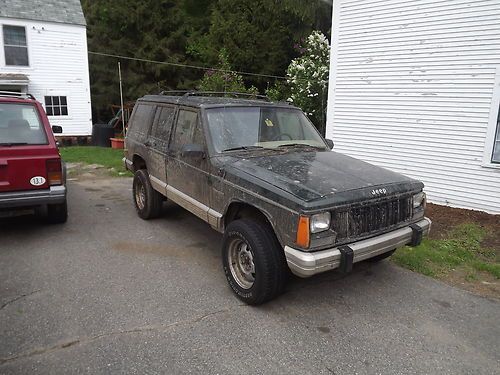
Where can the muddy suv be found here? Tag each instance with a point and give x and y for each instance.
(32, 177)
(261, 174)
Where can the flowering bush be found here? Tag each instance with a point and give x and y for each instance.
(308, 77)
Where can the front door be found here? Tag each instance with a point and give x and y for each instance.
(188, 176)
(158, 146)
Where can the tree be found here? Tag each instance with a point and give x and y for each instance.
(149, 29)
(223, 79)
(258, 35)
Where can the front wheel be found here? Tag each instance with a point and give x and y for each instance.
(148, 201)
(253, 261)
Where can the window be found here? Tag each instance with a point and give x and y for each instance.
(15, 46)
(163, 126)
(56, 106)
(491, 156)
(140, 122)
(186, 122)
(495, 158)
(20, 123)
(268, 127)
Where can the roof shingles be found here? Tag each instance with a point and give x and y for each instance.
(61, 11)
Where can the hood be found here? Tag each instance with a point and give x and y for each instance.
(314, 175)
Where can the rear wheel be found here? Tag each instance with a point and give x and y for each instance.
(380, 257)
(253, 261)
(148, 201)
(57, 213)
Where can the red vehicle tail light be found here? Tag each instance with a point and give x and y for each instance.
(54, 172)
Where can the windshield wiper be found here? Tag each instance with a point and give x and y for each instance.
(300, 145)
(14, 144)
(243, 148)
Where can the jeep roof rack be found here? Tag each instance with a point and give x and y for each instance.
(173, 92)
(187, 94)
(14, 94)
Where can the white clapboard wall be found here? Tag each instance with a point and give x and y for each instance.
(415, 87)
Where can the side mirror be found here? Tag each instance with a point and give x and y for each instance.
(57, 129)
(193, 151)
(329, 142)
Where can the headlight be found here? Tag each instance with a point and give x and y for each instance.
(419, 200)
(320, 222)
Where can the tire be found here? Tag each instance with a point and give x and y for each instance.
(57, 213)
(380, 257)
(248, 246)
(148, 202)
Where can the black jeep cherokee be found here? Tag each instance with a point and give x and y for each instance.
(260, 173)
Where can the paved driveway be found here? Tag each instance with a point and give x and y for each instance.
(110, 293)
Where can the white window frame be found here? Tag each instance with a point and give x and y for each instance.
(67, 105)
(2, 45)
(492, 124)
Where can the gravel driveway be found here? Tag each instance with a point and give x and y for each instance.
(110, 293)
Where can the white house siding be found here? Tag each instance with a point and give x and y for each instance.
(58, 66)
(411, 89)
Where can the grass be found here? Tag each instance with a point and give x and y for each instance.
(109, 158)
(460, 252)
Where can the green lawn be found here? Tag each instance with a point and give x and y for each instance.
(460, 252)
(107, 157)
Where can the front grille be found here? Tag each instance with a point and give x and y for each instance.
(371, 217)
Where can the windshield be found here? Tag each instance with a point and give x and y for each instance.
(20, 125)
(233, 128)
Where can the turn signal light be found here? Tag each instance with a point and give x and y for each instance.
(303, 237)
(54, 172)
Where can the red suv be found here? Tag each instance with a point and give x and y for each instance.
(32, 175)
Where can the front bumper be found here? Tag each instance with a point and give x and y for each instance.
(33, 198)
(306, 264)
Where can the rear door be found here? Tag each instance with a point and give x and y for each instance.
(25, 148)
(158, 146)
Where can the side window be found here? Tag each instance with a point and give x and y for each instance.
(186, 123)
(199, 137)
(141, 121)
(163, 125)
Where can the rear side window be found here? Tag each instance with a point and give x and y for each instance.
(141, 120)
(163, 125)
(21, 124)
(186, 124)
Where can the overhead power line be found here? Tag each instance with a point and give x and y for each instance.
(186, 65)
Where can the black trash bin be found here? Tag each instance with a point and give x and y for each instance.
(101, 133)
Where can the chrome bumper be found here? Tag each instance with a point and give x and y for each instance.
(31, 198)
(129, 166)
(306, 264)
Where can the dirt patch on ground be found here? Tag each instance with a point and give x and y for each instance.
(486, 285)
(83, 171)
(444, 219)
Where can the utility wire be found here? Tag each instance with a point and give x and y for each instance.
(186, 65)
